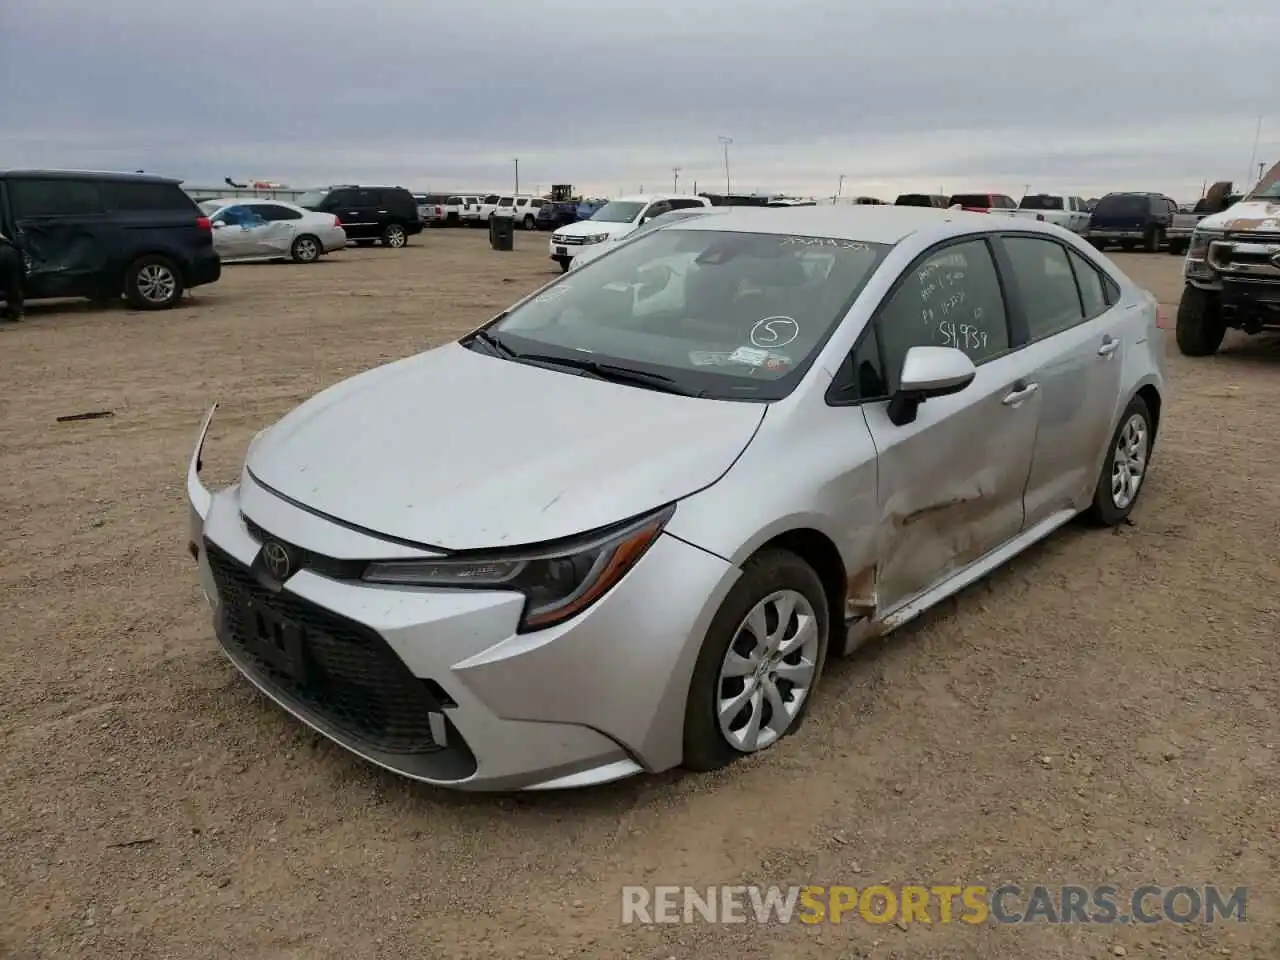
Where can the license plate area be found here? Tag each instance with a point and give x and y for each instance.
(277, 640)
(562, 251)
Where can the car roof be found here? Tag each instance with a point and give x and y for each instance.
(650, 197)
(94, 174)
(228, 201)
(869, 223)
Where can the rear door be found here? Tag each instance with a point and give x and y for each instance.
(274, 235)
(1075, 354)
(64, 232)
(357, 210)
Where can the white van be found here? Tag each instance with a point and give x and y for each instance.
(615, 220)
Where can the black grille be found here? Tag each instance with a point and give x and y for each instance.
(340, 669)
(568, 241)
(315, 562)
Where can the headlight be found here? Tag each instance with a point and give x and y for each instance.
(558, 581)
(1198, 248)
(596, 238)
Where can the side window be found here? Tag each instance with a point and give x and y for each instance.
(684, 203)
(235, 216)
(950, 298)
(272, 211)
(54, 197)
(1112, 290)
(134, 195)
(537, 204)
(341, 198)
(1092, 292)
(1046, 284)
(368, 198)
(657, 209)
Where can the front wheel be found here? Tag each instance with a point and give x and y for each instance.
(153, 283)
(528, 222)
(564, 263)
(1155, 239)
(1125, 468)
(1199, 327)
(760, 661)
(305, 249)
(394, 236)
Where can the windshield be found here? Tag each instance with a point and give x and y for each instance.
(1270, 192)
(618, 211)
(1041, 201)
(312, 198)
(732, 315)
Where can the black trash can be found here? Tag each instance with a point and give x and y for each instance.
(502, 233)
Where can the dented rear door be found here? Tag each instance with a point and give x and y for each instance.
(64, 233)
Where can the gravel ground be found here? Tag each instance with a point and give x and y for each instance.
(1102, 710)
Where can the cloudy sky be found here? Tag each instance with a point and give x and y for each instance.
(896, 95)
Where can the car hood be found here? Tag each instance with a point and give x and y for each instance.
(459, 450)
(1246, 215)
(591, 228)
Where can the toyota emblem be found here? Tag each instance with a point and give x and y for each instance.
(278, 562)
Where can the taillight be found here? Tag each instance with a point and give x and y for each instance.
(203, 224)
(337, 221)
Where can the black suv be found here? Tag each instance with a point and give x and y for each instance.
(1130, 219)
(98, 235)
(369, 214)
(920, 200)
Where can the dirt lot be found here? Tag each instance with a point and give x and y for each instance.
(1103, 710)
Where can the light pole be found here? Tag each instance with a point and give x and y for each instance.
(1257, 137)
(675, 179)
(725, 141)
(516, 161)
(839, 190)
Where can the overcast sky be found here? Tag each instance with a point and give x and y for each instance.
(1085, 96)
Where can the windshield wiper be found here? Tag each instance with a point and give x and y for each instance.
(489, 340)
(614, 373)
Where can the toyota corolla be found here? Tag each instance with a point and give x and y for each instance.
(622, 526)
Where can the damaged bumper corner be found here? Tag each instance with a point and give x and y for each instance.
(199, 501)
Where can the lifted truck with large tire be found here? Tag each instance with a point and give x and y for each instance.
(1232, 272)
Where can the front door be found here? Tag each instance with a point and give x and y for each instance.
(357, 216)
(950, 483)
(61, 227)
(1076, 352)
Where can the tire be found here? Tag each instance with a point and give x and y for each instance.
(1155, 239)
(564, 263)
(1199, 327)
(1108, 508)
(153, 283)
(306, 249)
(1098, 244)
(393, 236)
(768, 574)
(1177, 247)
(528, 222)
(365, 243)
(1126, 245)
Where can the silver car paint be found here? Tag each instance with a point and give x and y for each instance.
(912, 513)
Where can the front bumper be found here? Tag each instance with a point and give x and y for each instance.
(436, 685)
(1095, 234)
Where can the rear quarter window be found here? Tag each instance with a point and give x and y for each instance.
(139, 197)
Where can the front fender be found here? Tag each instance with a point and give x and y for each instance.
(199, 498)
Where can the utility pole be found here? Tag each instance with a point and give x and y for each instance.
(1260, 166)
(839, 190)
(675, 179)
(725, 141)
(1253, 158)
(516, 161)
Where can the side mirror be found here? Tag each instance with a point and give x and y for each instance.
(929, 372)
(219, 224)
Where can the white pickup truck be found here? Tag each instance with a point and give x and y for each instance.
(1219, 197)
(1062, 209)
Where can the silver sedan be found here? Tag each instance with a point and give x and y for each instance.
(252, 229)
(623, 526)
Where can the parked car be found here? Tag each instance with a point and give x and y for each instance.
(484, 211)
(981, 202)
(645, 530)
(921, 200)
(615, 220)
(369, 214)
(460, 210)
(1130, 219)
(1063, 209)
(587, 208)
(1219, 197)
(557, 213)
(595, 250)
(100, 235)
(247, 229)
(1232, 272)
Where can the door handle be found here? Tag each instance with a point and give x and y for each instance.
(1109, 346)
(1021, 390)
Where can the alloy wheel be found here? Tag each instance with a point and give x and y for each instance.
(156, 283)
(1129, 464)
(768, 671)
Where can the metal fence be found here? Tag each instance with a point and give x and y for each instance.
(259, 193)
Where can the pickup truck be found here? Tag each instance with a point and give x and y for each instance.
(1062, 209)
(1219, 198)
(1232, 271)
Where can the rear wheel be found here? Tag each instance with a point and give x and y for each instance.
(394, 236)
(759, 663)
(528, 222)
(1199, 326)
(1155, 239)
(153, 283)
(305, 249)
(1177, 247)
(1125, 468)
